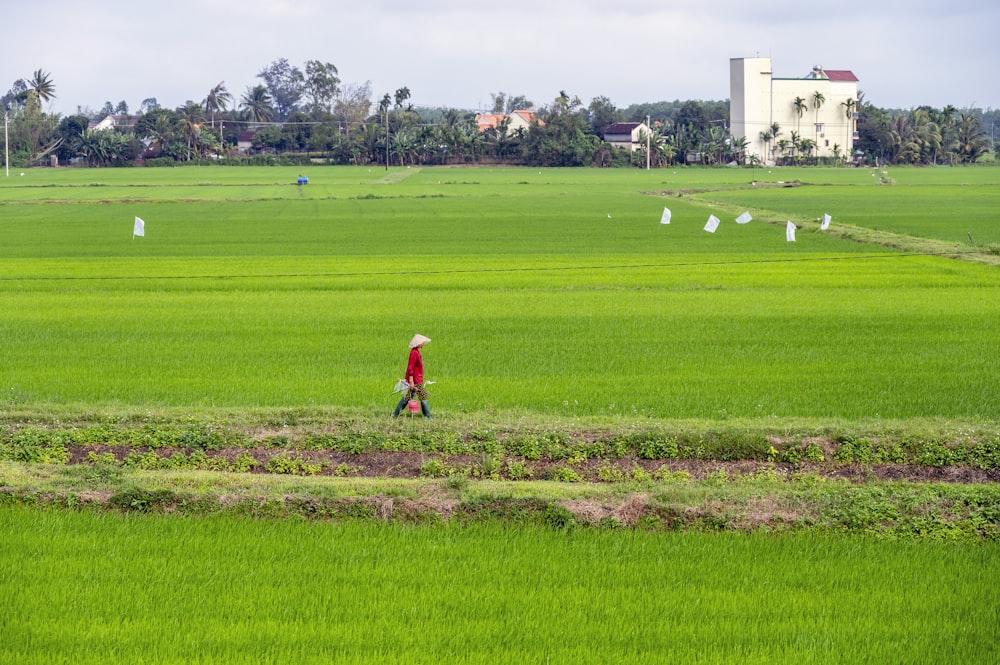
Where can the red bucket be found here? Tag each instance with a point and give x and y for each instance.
(413, 405)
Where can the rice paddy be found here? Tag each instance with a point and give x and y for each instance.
(81, 588)
(550, 295)
(541, 290)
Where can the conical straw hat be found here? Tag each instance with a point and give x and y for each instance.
(418, 340)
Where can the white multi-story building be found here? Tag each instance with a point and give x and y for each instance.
(820, 107)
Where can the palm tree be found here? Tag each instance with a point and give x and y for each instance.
(799, 103)
(849, 106)
(256, 104)
(906, 146)
(499, 138)
(927, 134)
(218, 100)
(718, 141)
(189, 119)
(807, 146)
(948, 121)
(371, 141)
(41, 83)
(775, 133)
(817, 99)
(971, 141)
(765, 138)
(738, 147)
(662, 149)
(160, 133)
(403, 146)
(88, 144)
(783, 147)
(796, 145)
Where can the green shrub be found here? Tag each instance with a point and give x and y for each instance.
(107, 458)
(488, 466)
(559, 517)
(865, 451)
(140, 500)
(243, 463)
(986, 454)
(610, 474)
(517, 470)
(734, 445)
(937, 454)
(639, 474)
(457, 483)
(35, 446)
(653, 446)
(567, 474)
(527, 447)
(285, 463)
(435, 468)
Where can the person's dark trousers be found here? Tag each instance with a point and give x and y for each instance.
(400, 406)
(425, 409)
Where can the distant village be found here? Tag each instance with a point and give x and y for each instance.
(821, 117)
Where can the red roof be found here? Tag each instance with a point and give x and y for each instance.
(528, 116)
(487, 120)
(844, 75)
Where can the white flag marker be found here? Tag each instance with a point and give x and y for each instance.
(744, 218)
(665, 217)
(790, 232)
(139, 229)
(713, 223)
(826, 223)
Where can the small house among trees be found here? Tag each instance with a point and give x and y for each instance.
(628, 135)
(244, 142)
(113, 121)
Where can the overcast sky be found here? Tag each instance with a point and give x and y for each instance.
(455, 53)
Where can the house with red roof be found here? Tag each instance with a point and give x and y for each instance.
(820, 107)
(515, 120)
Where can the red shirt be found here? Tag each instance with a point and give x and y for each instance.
(415, 368)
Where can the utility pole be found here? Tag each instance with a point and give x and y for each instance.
(387, 137)
(6, 145)
(649, 130)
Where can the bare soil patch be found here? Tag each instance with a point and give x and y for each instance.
(399, 464)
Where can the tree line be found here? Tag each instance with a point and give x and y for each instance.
(308, 113)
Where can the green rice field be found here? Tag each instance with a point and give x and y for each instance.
(549, 292)
(83, 588)
(651, 443)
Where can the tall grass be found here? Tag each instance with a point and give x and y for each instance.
(84, 588)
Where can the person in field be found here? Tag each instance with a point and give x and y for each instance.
(415, 378)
